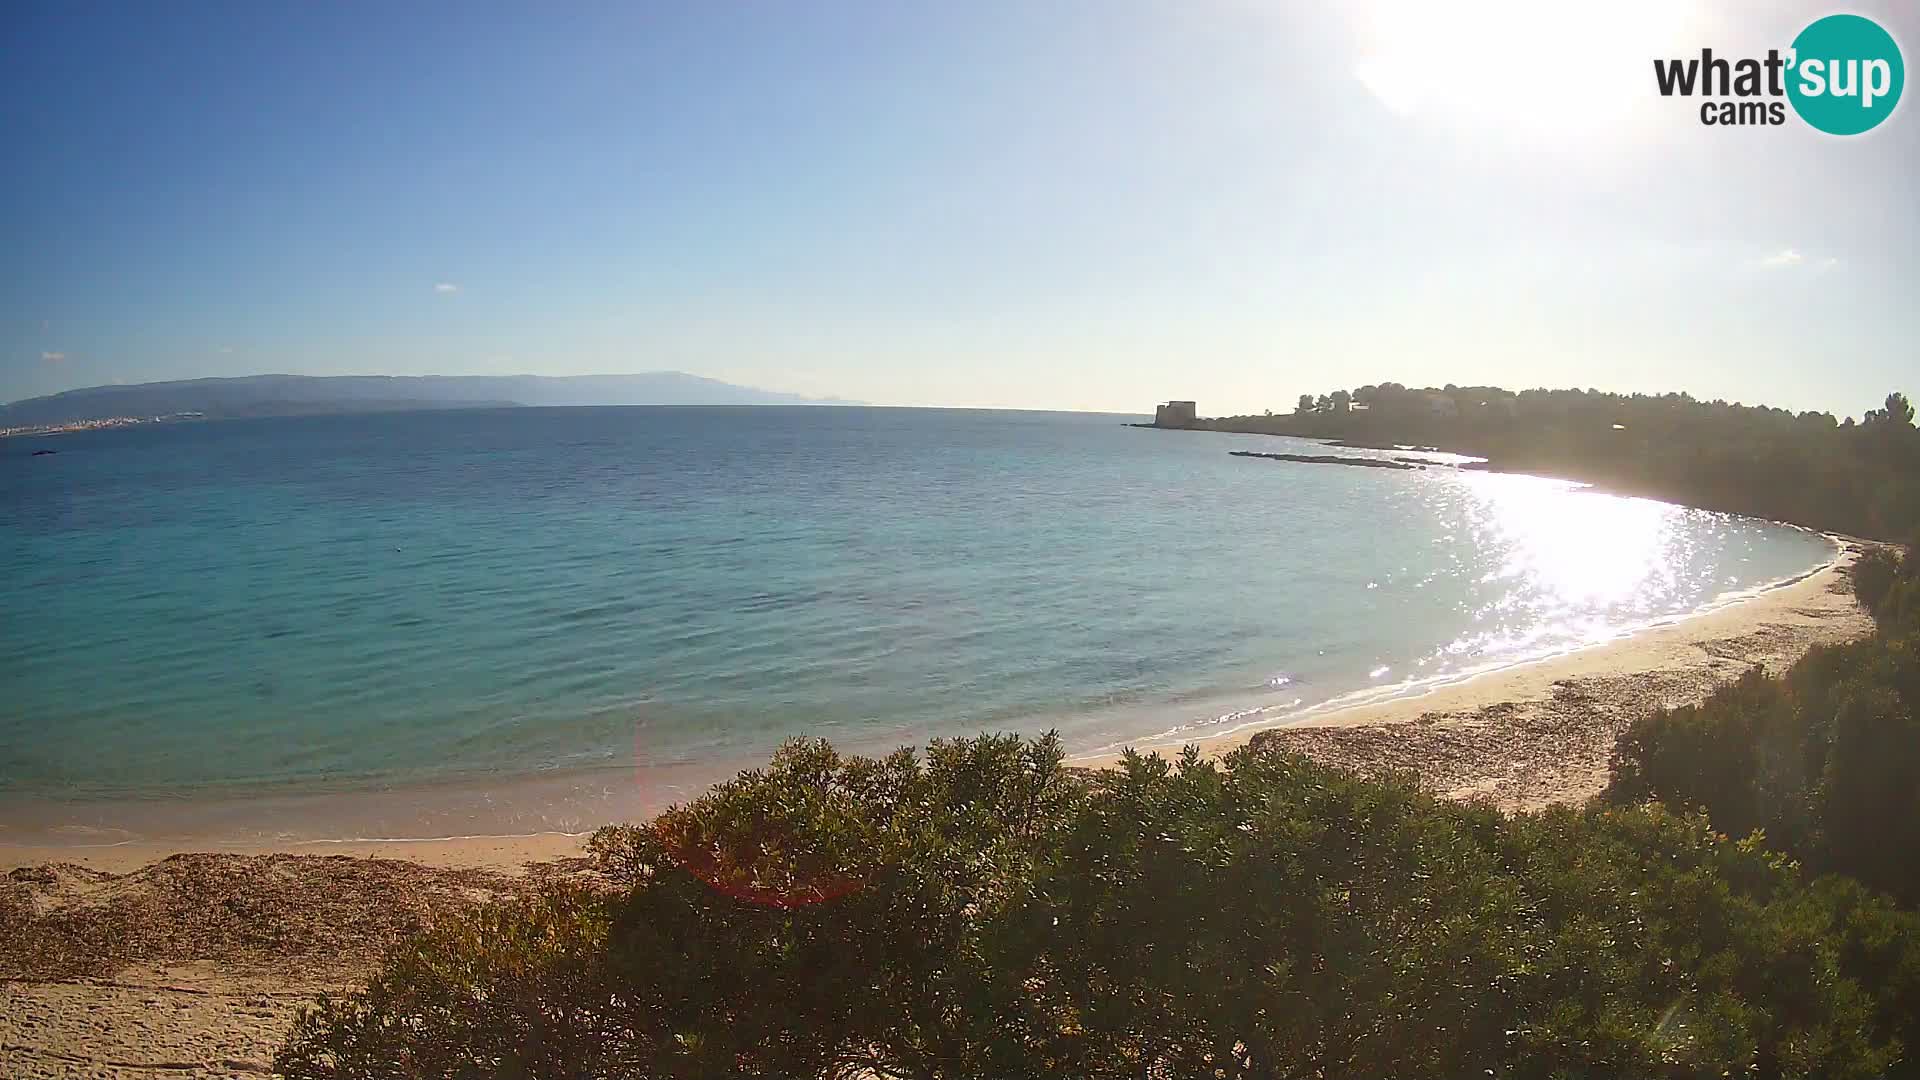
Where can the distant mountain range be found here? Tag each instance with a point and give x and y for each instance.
(293, 395)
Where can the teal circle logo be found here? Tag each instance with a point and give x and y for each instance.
(1846, 74)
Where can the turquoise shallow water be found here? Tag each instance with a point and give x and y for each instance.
(267, 605)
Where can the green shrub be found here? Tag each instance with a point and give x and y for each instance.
(1725, 753)
(987, 912)
(1874, 575)
(1824, 760)
(512, 990)
(1870, 795)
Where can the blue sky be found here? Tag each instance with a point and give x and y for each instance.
(1074, 204)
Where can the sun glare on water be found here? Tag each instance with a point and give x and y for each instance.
(1578, 549)
(1558, 566)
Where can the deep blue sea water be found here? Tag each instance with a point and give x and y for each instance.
(260, 605)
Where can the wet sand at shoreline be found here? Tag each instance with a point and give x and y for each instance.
(1541, 733)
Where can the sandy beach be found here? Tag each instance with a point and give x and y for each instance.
(1541, 732)
(144, 959)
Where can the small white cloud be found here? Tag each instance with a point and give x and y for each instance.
(446, 287)
(226, 348)
(1797, 261)
(53, 357)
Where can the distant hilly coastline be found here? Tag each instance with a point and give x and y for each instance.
(295, 395)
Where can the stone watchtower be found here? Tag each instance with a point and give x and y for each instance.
(1174, 414)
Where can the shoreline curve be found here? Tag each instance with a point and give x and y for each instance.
(1524, 733)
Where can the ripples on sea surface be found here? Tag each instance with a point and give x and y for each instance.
(261, 605)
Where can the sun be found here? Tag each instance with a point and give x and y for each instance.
(1530, 73)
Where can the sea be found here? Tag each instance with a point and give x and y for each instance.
(258, 608)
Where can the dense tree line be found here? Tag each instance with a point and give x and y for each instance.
(1807, 468)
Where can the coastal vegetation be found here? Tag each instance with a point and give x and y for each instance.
(985, 910)
(1822, 761)
(1807, 468)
